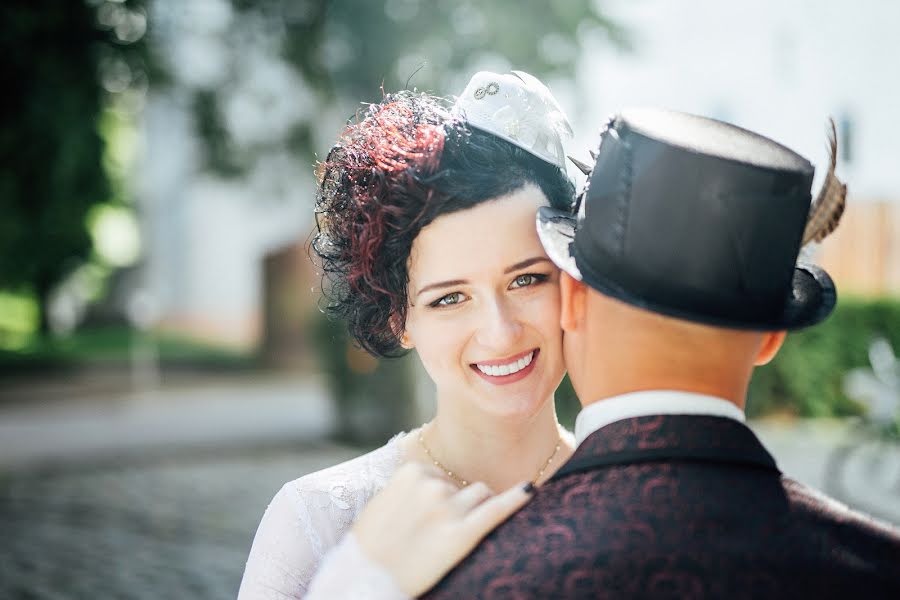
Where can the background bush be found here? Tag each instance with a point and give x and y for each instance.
(806, 377)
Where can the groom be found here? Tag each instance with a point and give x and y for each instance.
(680, 278)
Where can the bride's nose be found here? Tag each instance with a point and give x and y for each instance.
(500, 326)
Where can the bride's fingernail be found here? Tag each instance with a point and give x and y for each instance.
(528, 488)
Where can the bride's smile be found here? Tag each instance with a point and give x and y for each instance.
(502, 372)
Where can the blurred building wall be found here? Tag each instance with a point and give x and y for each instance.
(780, 68)
(291, 303)
(863, 254)
(206, 234)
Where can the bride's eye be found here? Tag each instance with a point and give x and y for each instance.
(448, 300)
(527, 279)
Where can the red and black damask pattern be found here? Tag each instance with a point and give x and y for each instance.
(678, 507)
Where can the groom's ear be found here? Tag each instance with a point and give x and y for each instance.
(573, 300)
(771, 343)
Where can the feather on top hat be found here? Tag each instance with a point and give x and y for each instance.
(518, 108)
(700, 220)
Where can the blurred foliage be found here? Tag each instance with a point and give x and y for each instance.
(113, 346)
(567, 404)
(221, 156)
(353, 49)
(806, 377)
(62, 60)
(373, 397)
(18, 319)
(370, 43)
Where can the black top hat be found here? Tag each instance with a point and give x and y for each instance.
(696, 219)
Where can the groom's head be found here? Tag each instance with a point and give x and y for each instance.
(681, 266)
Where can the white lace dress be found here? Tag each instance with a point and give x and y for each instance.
(301, 549)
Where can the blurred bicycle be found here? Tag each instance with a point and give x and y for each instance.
(864, 471)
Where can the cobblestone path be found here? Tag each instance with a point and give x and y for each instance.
(175, 529)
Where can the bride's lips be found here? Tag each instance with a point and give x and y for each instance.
(512, 377)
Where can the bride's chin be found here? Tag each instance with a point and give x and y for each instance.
(522, 406)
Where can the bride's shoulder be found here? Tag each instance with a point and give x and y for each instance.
(342, 490)
(309, 515)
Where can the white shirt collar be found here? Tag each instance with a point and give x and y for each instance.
(653, 402)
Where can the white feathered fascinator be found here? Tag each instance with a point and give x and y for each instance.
(518, 108)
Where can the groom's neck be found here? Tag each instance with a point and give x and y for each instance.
(614, 386)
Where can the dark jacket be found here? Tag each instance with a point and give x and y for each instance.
(679, 506)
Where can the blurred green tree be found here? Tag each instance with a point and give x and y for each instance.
(61, 61)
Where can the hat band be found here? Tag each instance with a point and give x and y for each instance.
(635, 286)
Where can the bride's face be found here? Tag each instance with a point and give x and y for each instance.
(484, 307)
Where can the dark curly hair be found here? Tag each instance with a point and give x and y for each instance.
(398, 166)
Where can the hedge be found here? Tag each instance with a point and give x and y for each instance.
(806, 377)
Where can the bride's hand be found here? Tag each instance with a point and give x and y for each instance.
(420, 525)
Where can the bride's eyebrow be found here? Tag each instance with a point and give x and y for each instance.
(526, 263)
(441, 284)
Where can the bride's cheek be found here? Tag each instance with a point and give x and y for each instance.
(442, 347)
(546, 306)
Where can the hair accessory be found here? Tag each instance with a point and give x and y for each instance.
(518, 108)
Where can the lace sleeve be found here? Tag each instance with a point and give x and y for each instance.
(348, 574)
(285, 554)
(306, 519)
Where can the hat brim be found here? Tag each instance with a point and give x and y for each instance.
(547, 158)
(812, 299)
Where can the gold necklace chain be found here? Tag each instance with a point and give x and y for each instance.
(459, 481)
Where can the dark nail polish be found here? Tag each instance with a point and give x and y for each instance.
(528, 488)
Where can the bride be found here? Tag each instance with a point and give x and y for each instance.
(427, 241)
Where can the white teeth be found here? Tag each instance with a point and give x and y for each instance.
(513, 367)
